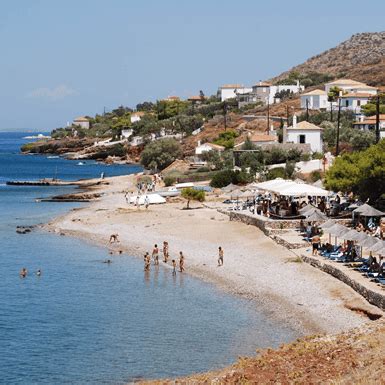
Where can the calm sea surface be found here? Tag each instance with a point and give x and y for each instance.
(86, 322)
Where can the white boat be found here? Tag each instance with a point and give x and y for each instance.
(53, 157)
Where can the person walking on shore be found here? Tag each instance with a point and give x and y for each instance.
(165, 251)
(146, 202)
(181, 262)
(173, 267)
(155, 255)
(316, 240)
(220, 255)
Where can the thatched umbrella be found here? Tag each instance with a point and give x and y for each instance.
(236, 193)
(327, 224)
(369, 241)
(306, 208)
(368, 211)
(377, 247)
(315, 216)
(337, 230)
(230, 187)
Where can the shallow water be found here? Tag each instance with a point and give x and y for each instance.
(87, 322)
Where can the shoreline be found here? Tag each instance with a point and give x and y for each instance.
(256, 268)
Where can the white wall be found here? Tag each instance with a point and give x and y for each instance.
(85, 125)
(228, 93)
(199, 150)
(312, 137)
(353, 105)
(134, 118)
(316, 102)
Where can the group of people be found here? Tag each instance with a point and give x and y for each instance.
(166, 256)
(24, 272)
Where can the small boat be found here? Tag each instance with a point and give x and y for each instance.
(81, 164)
(53, 157)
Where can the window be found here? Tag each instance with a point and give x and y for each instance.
(302, 138)
(347, 103)
(358, 103)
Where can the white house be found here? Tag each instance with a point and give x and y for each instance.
(369, 124)
(266, 93)
(126, 133)
(354, 100)
(229, 91)
(316, 100)
(82, 122)
(136, 116)
(136, 141)
(349, 85)
(206, 147)
(304, 132)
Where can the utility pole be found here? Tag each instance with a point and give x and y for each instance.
(331, 111)
(307, 109)
(378, 119)
(268, 116)
(225, 114)
(338, 127)
(287, 115)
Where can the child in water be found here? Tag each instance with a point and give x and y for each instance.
(173, 267)
(155, 255)
(181, 262)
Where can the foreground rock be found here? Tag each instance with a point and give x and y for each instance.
(354, 357)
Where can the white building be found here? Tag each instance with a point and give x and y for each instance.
(353, 101)
(304, 132)
(369, 124)
(136, 141)
(229, 91)
(350, 86)
(136, 116)
(316, 100)
(266, 93)
(206, 147)
(82, 122)
(126, 133)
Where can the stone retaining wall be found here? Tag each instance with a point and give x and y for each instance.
(371, 296)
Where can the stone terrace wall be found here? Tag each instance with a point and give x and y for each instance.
(371, 296)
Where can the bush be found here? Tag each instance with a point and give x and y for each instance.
(160, 154)
(169, 181)
(274, 173)
(226, 139)
(305, 157)
(225, 177)
(317, 155)
(315, 175)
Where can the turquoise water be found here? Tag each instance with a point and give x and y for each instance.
(86, 322)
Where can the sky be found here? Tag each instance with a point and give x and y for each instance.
(65, 58)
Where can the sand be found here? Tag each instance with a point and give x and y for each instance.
(255, 267)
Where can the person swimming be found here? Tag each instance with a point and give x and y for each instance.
(38, 272)
(23, 272)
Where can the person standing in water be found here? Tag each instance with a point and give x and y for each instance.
(155, 255)
(181, 262)
(165, 251)
(23, 272)
(147, 262)
(173, 267)
(220, 254)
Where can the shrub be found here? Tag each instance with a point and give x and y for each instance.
(315, 175)
(169, 180)
(274, 173)
(225, 177)
(226, 139)
(305, 157)
(317, 155)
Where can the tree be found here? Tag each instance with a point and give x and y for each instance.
(369, 109)
(333, 94)
(161, 153)
(248, 145)
(362, 173)
(192, 194)
(145, 106)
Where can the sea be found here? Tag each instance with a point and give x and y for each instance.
(87, 322)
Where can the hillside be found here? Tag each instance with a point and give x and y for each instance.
(362, 58)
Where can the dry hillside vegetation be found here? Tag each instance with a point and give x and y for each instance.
(362, 58)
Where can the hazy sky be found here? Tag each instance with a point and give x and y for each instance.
(64, 58)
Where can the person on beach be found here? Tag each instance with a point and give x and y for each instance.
(146, 202)
(173, 267)
(114, 238)
(155, 255)
(165, 251)
(147, 262)
(23, 272)
(137, 202)
(316, 240)
(220, 254)
(126, 197)
(181, 262)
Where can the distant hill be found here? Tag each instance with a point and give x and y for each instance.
(362, 58)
